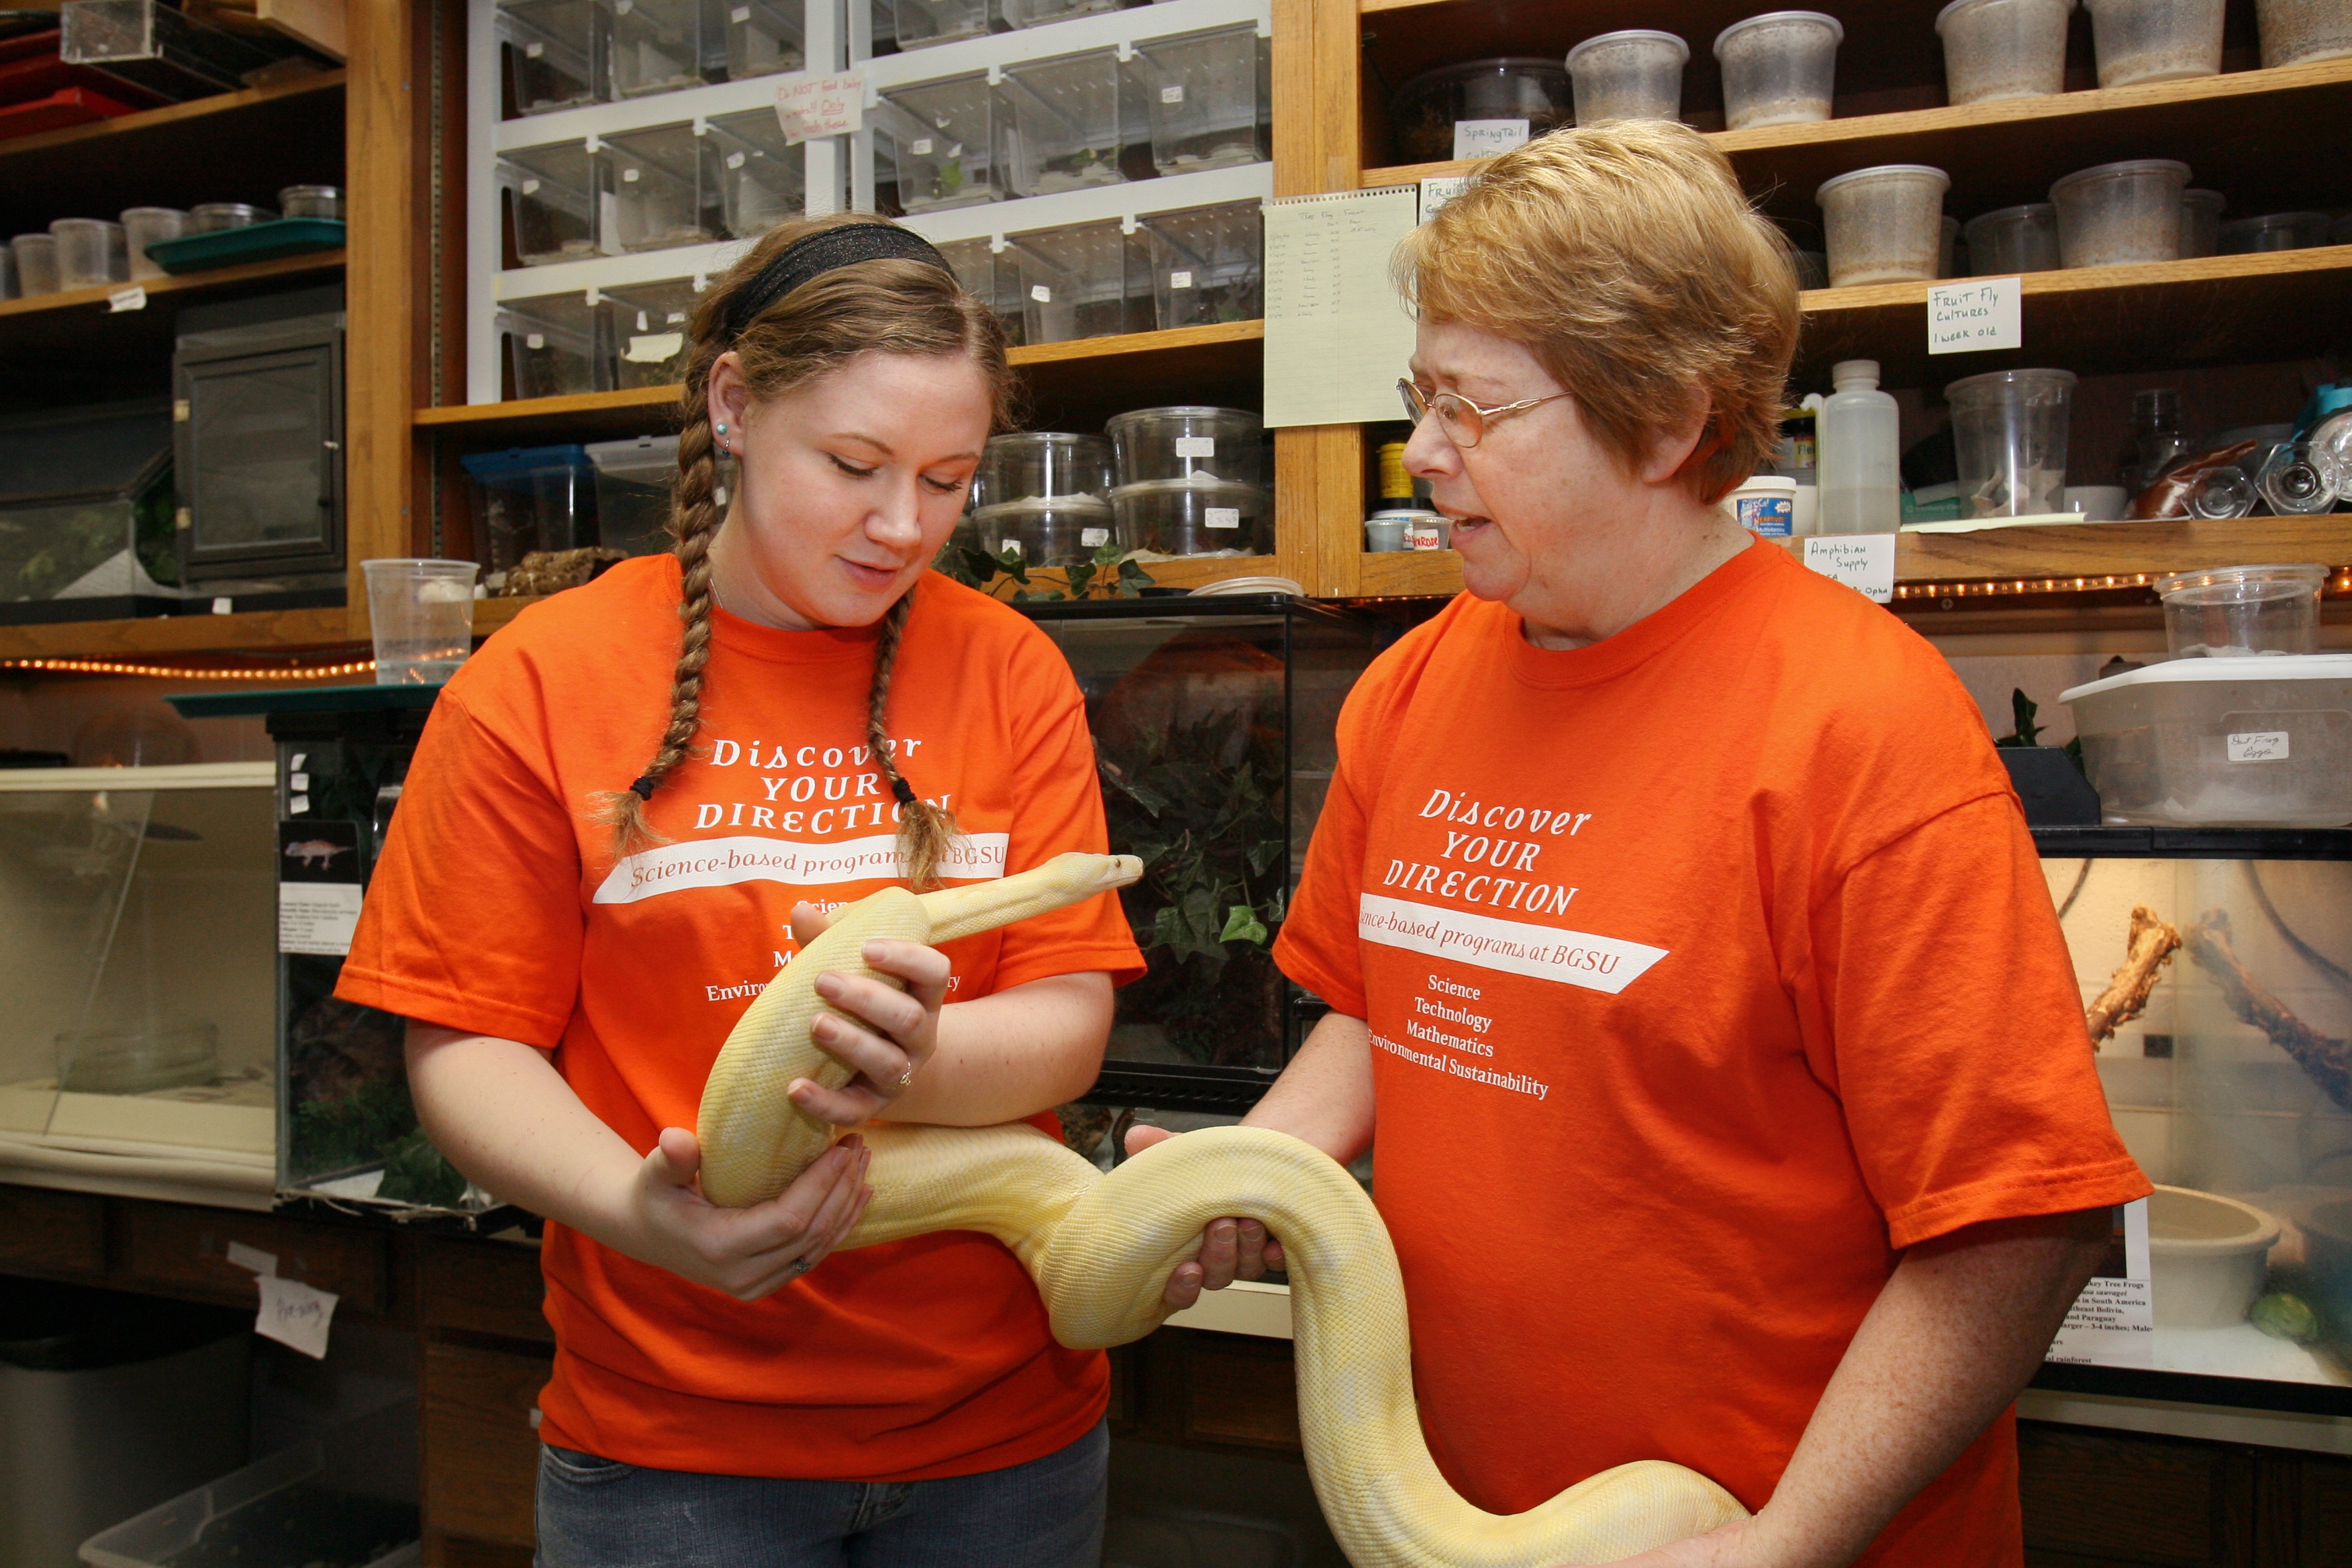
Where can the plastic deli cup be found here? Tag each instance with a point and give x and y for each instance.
(1631, 74)
(2228, 612)
(2014, 239)
(1779, 68)
(1995, 49)
(144, 227)
(421, 614)
(2115, 213)
(2296, 31)
(2155, 40)
(1883, 225)
(2008, 438)
(1384, 532)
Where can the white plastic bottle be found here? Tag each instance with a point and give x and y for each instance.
(1860, 453)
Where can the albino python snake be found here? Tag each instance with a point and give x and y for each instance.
(1101, 1250)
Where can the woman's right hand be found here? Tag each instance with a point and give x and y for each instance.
(1231, 1248)
(747, 1252)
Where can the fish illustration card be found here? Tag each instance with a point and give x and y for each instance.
(318, 886)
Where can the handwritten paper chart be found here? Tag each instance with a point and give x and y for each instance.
(1337, 334)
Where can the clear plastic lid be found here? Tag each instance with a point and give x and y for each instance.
(1202, 485)
(1530, 65)
(1630, 35)
(2241, 584)
(2130, 168)
(1884, 171)
(1836, 27)
(1030, 506)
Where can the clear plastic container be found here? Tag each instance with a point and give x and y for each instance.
(1037, 13)
(37, 264)
(144, 227)
(556, 345)
(529, 499)
(1780, 68)
(213, 217)
(91, 253)
(2296, 32)
(551, 194)
(942, 143)
(1949, 262)
(311, 201)
(763, 183)
(764, 37)
(1186, 441)
(1882, 225)
(648, 326)
(1479, 107)
(1208, 264)
(1995, 49)
(2009, 434)
(1198, 515)
(2222, 742)
(973, 262)
(421, 619)
(1208, 99)
(2237, 612)
(558, 53)
(1065, 530)
(2200, 222)
(918, 22)
(1042, 465)
(664, 185)
(663, 46)
(1084, 281)
(1069, 120)
(1636, 74)
(636, 480)
(2014, 239)
(2156, 40)
(1860, 453)
(2120, 213)
(2272, 231)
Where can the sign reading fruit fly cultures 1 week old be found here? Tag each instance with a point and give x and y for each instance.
(809, 104)
(1974, 314)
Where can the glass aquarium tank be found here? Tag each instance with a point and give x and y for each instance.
(86, 514)
(2216, 969)
(1215, 723)
(138, 1049)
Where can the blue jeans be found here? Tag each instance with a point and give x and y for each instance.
(602, 1514)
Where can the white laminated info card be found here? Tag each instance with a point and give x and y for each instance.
(1863, 561)
(1337, 335)
(2113, 1321)
(318, 889)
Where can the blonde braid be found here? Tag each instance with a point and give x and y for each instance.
(925, 831)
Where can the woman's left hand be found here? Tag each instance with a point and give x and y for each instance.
(885, 1035)
(1739, 1545)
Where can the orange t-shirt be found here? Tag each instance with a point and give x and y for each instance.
(497, 908)
(1707, 967)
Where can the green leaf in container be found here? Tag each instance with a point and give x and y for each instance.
(1241, 924)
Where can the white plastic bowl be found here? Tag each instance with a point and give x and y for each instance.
(2207, 1256)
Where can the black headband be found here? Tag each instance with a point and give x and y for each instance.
(820, 253)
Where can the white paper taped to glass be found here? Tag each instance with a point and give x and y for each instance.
(1337, 334)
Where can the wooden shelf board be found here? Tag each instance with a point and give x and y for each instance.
(589, 415)
(153, 636)
(1181, 573)
(1175, 339)
(220, 280)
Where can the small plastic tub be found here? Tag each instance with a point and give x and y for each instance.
(1995, 49)
(1481, 106)
(1384, 532)
(557, 344)
(37, 264)
(1070, 121)
(1882, 225)
(552, 194)
(1767, 505)
(2120, 213)
(2009, 437)
(1780, 68)
(2014, 239)
(1208, 100)
(2200, 222)
(943, 139)
(1062, 530)
(311, 201)
(91, 253)
(2295, 32)
(2222, 742)
(764, 183)
(1198, 515)
(2273, 231)
(1084, 281)
(2208, 1258)
(1429, 530)
(2156, 40)
(1636, 74)
(212, 217)
(664, 188)
(2231, 612)
(1187, 442)
(1041, 465)
(144, 227)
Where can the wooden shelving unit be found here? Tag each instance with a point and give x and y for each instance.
(157, 635)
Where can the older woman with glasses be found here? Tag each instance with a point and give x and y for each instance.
(1692, 974)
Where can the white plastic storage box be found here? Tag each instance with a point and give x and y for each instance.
(528, 499)
(556, 345)
(973, 262)
(1208, 264)
(764, 37)
(665, 188)
(647, 325)
(552, 197)
(635, 481)
(558, 53)
(1037, 13)
(762, 181)
(1208, 95)
(1084, 281)
(918, 23)
(347, 1497)
(941, 138)
(1068, 122)
(2235, 742)
(662, 45)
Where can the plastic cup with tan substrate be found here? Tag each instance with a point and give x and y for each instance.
(1883, 225)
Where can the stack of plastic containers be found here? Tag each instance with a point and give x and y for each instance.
(1040, 494)
(1192, 482)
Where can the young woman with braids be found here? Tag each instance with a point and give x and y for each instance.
(627, 810)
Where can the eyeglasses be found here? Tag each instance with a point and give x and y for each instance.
(1464, 422)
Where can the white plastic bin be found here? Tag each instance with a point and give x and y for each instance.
(1208, 264)
(1636, 74)
(636, 480)
(663, 46)
(2222, 742)
(2156, 40)
(558, 53)
(941, 138)
(552, 197)
(762, 181)
(664, 184)
(1208, 99)
(556, 345)
(1780, 68)
(1882, 225)
(2116, 214)
(1084, 281)
(1070, 120)
(1995, 49)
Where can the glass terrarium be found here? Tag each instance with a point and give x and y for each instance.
(2223, 960)
(1210, 95)
(558, 52)
(1069, 120)
(137, 912)
(942, 143)
(665, 186)
(552, 193)
(764, 182)
(1215, 725)
(86, 514)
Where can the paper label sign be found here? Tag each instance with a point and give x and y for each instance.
(294, 1314)
(2258, 746)
(1436, 192)
(652, 348)
(1485, 138)
(1863, 561)
(2113, 1321)
(1975, 314)
(317, 917)
(131, 299)
(811, 105)
(252, 1258)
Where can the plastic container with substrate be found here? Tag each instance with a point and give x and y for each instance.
(556, 345)
(1187, 442)
(2295, 32)
(530, 498)
(1882, 225)
(2200, 222)
(664, 185)
(763, 38)
(37, 264)
(634, 482)
(647, 327)
(1069, 121)
(942, 138)
(1995, 49)
(1042, 465)
(2156, 40)
(90, 252)
(1084, 281)
(1780, 68)
(917, 24)
(144, 227)
(1208, 264)
(2222, 742)
(558, 52)
(213, 217)
(551, 196)
(2272, 231)
(1208, 99)
(1635, 74)
(2009, 437)
(2014, 241)
(1198, 515)
(1060, 531)
(762, 183)
(2239, 611)
(1479, 108)
(663, 46)
(2115, 213)
(311, 201)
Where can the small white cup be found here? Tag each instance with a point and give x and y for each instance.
(2098, 503)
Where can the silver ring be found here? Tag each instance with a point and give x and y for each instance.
(905, 1078)
(797, 1266)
